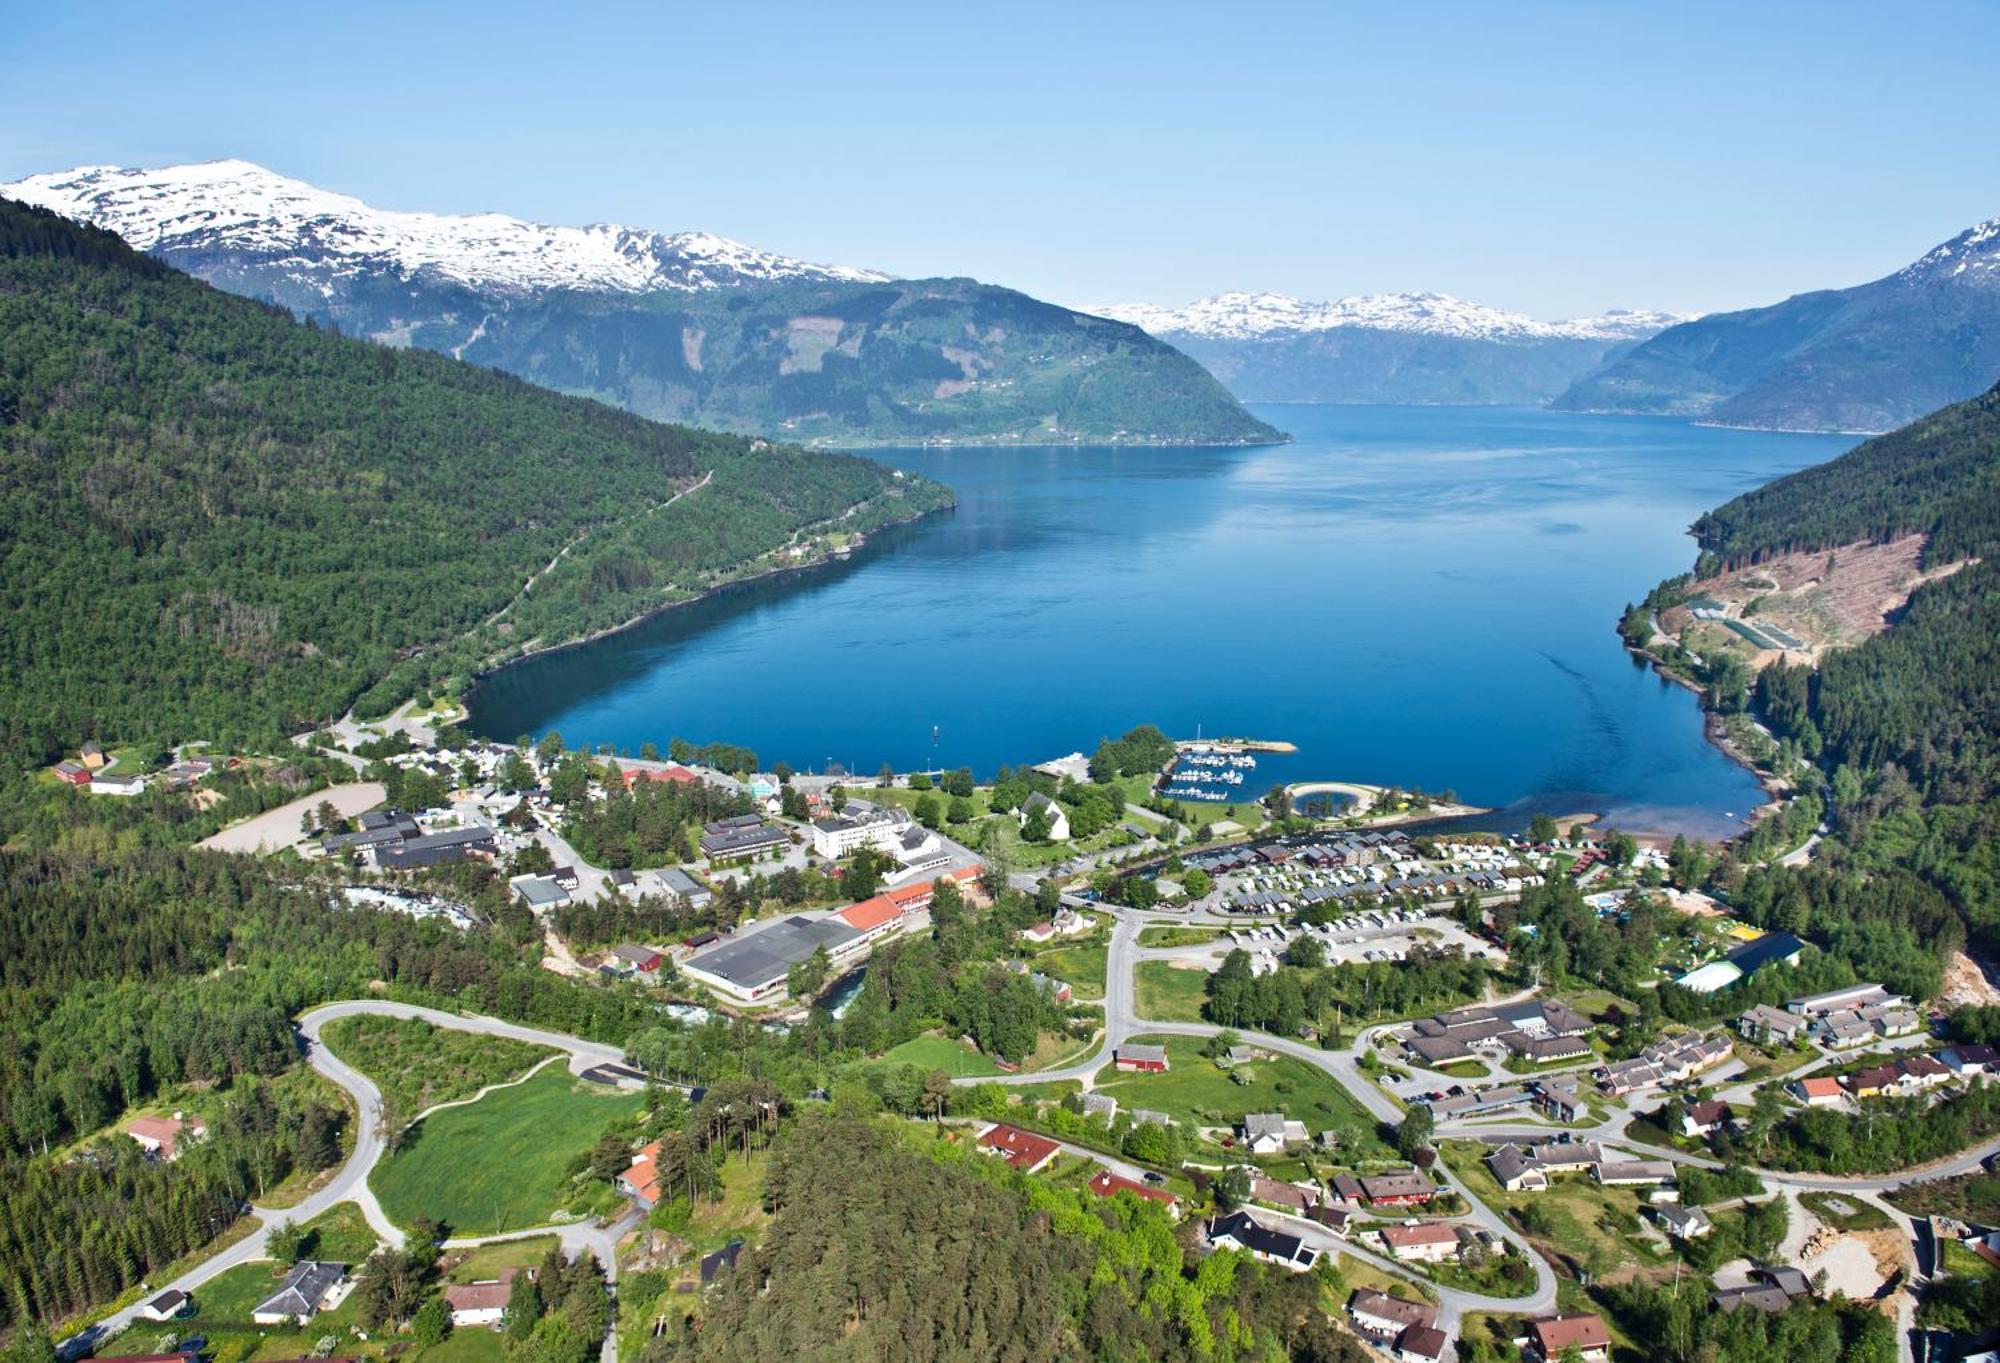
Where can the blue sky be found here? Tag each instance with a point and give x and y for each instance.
(1558, 159)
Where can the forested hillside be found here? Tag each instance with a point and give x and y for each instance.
(1906, 725)
(1939, 475)
(884, 1251)
(214, 519)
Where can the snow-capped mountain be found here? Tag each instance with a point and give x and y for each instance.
(239, 209)
(686, 327)
(1973, 256)
(1247, 316)
(1867, 358)
(1391, 347)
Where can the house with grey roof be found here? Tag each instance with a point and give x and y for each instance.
(311, 1287)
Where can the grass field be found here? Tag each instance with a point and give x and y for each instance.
(501, 1163)
(1081, 965)
(932, 1052)
(1194, 1090)
(1358, 1272)
(488, 1261)
(343, 1234)
(229, 1296)
(1575, 1221)
(1165, 935)
(1166, 994)
(1845, 1213)
(417, 1065)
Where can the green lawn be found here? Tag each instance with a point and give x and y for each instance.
(344, 1234)
(488, 1261)
(1195, 1091)
(931, 1052)
(1575, 1221)
(1845, 1213)
(1166, 994)
(1166, 935)
(501, 1163)
(229, 1296)
(1081, 965)
(474, 1345)
(1358, 1272)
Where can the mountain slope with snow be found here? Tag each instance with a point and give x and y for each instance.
(1398, 347)
(1868, 358)
(685, 327)
(1249, 316)
(239, 209)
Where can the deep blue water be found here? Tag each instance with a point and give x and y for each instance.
(1411, 594)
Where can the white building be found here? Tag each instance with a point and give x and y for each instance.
(1051, 812)
(859, 826)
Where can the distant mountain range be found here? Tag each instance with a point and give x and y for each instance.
(1398, 347)
(1867, 358)
(687, 326)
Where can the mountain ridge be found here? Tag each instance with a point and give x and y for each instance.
(237, 206)
(219, 520)
(1868, 358)
(1240, 315)
(1416, 348)
(687, 328)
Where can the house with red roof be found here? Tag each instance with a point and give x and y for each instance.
(1550, 1336)
(1429, 1241)
(166, 1137)
(1107, 1184)
(673, 772)
(641, 1181)
(1023, 1149)
(483, 1302)
(1817, 1091)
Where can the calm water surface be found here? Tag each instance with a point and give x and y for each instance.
(1412, 595)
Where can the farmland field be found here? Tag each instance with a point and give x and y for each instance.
(502, 1163)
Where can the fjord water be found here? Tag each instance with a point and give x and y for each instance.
(1413, 595)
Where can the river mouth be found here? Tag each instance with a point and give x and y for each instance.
(1414, 596)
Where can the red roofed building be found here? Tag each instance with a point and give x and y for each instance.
(481, 1303)
(1023, 1149)
(675, 773)
(1817, 1091)
(1551, 1335)
(641, 1182)
(1107, 1184)
(1431, 1241)
(163, 1136)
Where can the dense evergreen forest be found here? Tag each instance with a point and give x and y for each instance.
(1902, 726)
(215, 519)
(891, 1245)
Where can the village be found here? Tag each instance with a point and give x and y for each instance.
(1435, 1165)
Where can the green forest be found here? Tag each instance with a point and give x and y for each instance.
(217, 520)
(1902, 727)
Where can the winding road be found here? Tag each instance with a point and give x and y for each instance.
(350, 1183)
(1121, 1022)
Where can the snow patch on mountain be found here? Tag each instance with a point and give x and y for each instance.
(1250, 316)
(238, 208)
(1975, 252)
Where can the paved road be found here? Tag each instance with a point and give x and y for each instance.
(350, 1183)
(1122, 1020)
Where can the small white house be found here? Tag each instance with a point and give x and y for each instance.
(1051, 812)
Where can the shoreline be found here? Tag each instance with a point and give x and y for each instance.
(1712, 732)
(1042, 442)
(494, 668)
